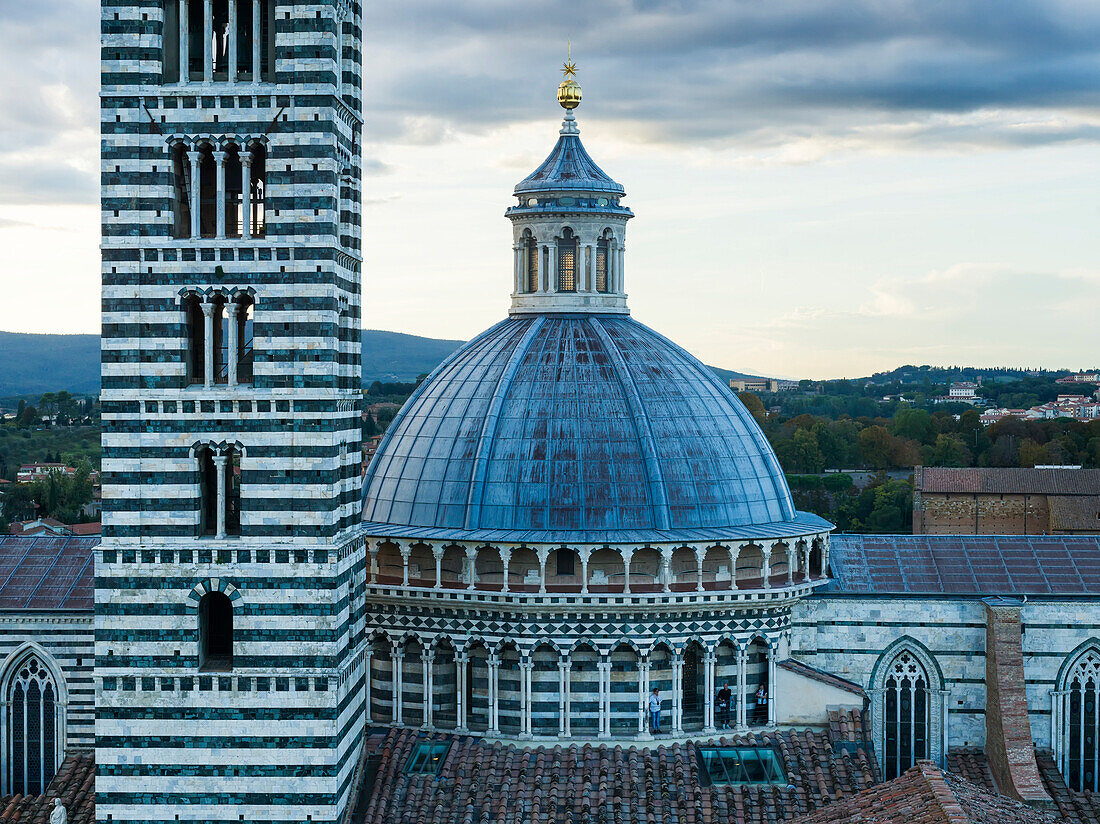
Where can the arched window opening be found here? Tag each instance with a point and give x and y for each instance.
(603, 251)
(196, 339)
(215, 632)
(692, 689)
(530, 262)
(817, 569)
(256, 208)
(247, 24)
(1081, 755)
(181, 191)
(567, 261)
(219, 491)
(233, 185)
(246, 313)
(906, 716)
(208, 192)
(194, 38)
(32, 729)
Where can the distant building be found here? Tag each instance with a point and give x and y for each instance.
(52, 528)
(30, 473)
(1006, 501)
(963, 391)
(1081, 377)
(762, 385)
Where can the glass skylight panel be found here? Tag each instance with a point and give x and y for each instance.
(427, 757)
(741, 765)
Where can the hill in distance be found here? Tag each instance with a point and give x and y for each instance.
(31, 364)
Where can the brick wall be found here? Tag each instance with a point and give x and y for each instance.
(1008, 742)
(957, 513)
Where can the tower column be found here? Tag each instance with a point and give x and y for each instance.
(471, 567)
(643, 696)
(185, 37)
(246, 194)
(231, 29)
(563, 696)
(590, 268)
(208, 40)
(195, 159)
(220, 462)
(368, 654)
(544, 266)
(771, 683)
(552, 274)
(505, 557)
(257, 34)
(604, 669)
(437, 553)
(233, 344)
(219, 165)
(208, 349)
(626, 570)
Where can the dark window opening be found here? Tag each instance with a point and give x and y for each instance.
(567, 262)
(531, 262)
(427, 757)
(215, 633)
(603, 246)
(565, 562)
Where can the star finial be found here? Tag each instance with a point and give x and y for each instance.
(569, 69)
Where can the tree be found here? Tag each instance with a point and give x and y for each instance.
(915, 424)
(948, 450)
(20, 502)
(753, 404)
(29, 416)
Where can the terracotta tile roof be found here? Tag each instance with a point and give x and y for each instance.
(1077, 513)
(1008, 481)
(970, 763)
(493, 783)
(925, 795)
(74, 784)
(1074, 807)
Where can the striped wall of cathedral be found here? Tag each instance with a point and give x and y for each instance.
(275, 738)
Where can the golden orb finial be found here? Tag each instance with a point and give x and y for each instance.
(569, 90)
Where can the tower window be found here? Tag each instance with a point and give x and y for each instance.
(219, 491)
(215, 632)
(603, 248)
(567, 262)
(195, 354)
(530, 262)
(906, 715)
(31, 729)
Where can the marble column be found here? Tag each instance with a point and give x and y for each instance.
(405, 550)
(584, 572)
(368, 654)
(771, 684)
(677, 695)
(494, 719)
(185, 38)
(219, 196)
(208, 40)
(563, 696)
(742, 683)
(462, 663)
(626, 571)
(208, 350)
(766, 569)
(257, 38)
(246, 195)
(699, 569)
(505, 559)
(527, 709)
(552, 274)
(428, 684)
(708, 692)
(195, 158)
(666, 572)
(643, 697)
(231, 30)
(604, 670)
(398, 658)
(543, 555)
(233, 344)
(437, 553)
(471, 567)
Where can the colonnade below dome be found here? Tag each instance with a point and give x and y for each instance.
(583, 692)
(598, 569)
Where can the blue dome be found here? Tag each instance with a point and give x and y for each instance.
(586, 428)
(570, 168)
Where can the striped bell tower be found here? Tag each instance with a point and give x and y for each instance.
(229, 681)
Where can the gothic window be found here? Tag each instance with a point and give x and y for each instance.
(567, 262)
(31, 731)
(603, 248)
(215, 632)
(530, 262)
(905, 715)
(1081, 755)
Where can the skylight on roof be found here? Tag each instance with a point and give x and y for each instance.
(741, 765)
(427, 757)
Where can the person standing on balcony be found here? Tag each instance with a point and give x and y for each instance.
(655, 711)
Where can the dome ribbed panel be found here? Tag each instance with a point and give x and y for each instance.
(569, 167)
(534, 428)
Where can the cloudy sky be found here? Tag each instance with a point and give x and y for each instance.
(822, 188)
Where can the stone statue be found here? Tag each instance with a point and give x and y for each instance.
(58, 815)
